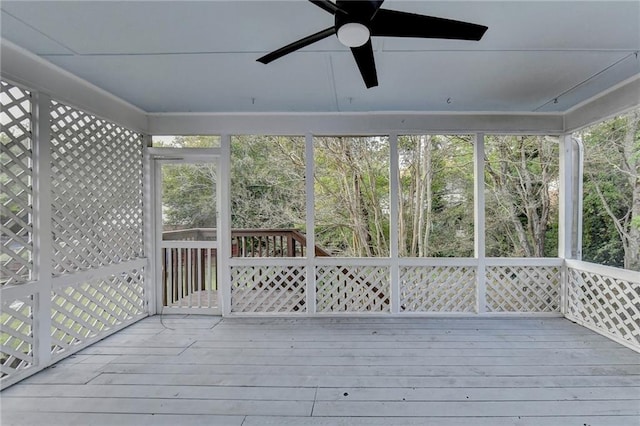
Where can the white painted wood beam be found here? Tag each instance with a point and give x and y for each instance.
(30, 70)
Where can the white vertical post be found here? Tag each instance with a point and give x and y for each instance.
(42, 231)
(394, 183)
(578, 177)
(565, 199)
(224, 224)
(565, 211)
(156, 205)
(310, 231)
(148, 224)
(479, 222)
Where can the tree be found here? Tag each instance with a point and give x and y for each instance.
(267, 182)
(189, 195)
(352, 195)
(521, 177)
(611, 232)
(436, 195)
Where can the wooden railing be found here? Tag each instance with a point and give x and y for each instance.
(189, 266)
(189, 259)
(253, 242)
(270, 243)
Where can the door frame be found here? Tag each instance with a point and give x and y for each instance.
(158, 158)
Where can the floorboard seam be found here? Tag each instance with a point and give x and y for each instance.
(315, 396)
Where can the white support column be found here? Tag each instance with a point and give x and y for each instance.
(224, 223)
(394, 186)
(42, 231)
(148, 223)
(566, 198)
(310, 231)
(479, 221)
(578, 176)
(567, 208)
(156, 203)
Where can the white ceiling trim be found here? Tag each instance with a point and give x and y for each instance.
(24, 68)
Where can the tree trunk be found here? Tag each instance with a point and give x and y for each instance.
(631, 149)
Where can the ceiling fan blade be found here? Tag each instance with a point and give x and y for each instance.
(393, 23)
(297, 45)
(366, 64)
(326, 5)
(361, 10)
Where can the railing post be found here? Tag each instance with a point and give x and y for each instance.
(150, 252)
(479, 222)
(394, 179)
(568, 203)
(42, 223)
(224, 223)
(291, 247)
(310, 230)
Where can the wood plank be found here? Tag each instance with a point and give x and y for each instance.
(550, 354)
(257, 393)
(381, 361)
(133, 350)
(158, 406)
(560, 339)
(371, 381)
(579, 420)
(381, 370)
(19, 418)
(149, 342)
(480, 394)
(476, 409)
(383, 344)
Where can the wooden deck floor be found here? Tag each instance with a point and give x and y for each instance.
(182, 370)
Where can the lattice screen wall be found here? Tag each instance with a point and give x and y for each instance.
(96, 191)
(437, 289)
(16, 335)
(263, 289)
(96, 194)
(82, 312)
(610, 304)
(16, 176)
(352, 289)
(523, 288)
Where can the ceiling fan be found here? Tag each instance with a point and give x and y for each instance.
(356, 21)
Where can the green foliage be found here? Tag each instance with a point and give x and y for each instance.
(267, 182)
(436, 195)
(611, 202)
(189, 195)
(600, 241)
(186, 141)
(521, 179)
(352, 195)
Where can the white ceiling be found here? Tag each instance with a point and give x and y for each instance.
(184, 56)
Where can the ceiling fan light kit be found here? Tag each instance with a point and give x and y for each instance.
(357, 21)
(353, 34)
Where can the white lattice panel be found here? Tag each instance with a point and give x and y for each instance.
(268, 289)
(612, 305)
(96, 191)
(16, 335)
(15, 177)
(523, 288)
(352, 289)
(437, 289)
(80, 313)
